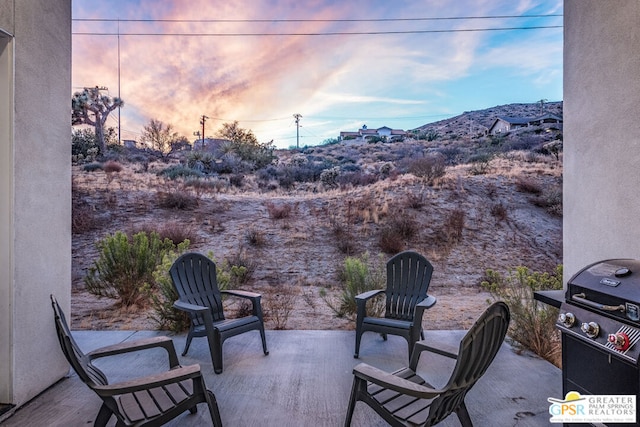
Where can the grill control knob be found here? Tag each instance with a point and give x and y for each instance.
(592, 329)
(620, 341)
(567, 319)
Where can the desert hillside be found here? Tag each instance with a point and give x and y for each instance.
(497, 205)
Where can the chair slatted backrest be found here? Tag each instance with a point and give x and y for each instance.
(408, 278)
(477, 350)
(80, 363)
(194, 277)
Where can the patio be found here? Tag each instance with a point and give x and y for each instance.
(305, 381)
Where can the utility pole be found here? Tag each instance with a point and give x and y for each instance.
(297, 117)
(119, 134)
(202, 120)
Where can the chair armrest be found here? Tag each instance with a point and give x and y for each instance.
(428, 302)
(138, 345)
(151, 381)
(241, 294)
(369, 294)
(393, 382)
(252, 296)
(191, 308)
(421, 346)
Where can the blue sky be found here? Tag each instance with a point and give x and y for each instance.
(262, 61)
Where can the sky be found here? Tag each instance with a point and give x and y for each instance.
(338, 64)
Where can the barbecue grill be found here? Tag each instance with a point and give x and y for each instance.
(599, 322)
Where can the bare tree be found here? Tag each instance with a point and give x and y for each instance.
(92, 108)
(159, 136)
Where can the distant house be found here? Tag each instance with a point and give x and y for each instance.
(508, 124)
(209, 144)
(129, 143)
(383, 132)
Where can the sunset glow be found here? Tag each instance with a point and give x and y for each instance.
(261, 62)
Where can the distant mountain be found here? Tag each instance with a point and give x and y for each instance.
(474, 122)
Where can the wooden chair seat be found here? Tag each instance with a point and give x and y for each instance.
(194, 278)
(406, 298)
(404, 398)
(151, 400)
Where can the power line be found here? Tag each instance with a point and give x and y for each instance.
(329, 33)
(451, 18)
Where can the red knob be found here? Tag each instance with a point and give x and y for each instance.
(620, 340)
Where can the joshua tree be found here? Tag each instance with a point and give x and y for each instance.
(92, 108)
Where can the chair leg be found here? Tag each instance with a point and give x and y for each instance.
(352, 402)
(215, 348)
(187, 344)
(356, 354)
(103, 417)
(213, 409)
(264, 341)
(384, 336)
(463, 415)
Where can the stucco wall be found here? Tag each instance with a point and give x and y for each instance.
(39, 200)
(601, 132)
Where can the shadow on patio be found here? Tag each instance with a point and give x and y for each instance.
(305, 381)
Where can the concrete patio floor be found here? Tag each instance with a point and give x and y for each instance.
(304, 381)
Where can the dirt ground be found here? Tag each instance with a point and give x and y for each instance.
(301, 253)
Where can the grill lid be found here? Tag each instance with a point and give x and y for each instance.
(611, 287)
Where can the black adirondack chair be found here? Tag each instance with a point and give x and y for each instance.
(408, 278)
(194, 278)
(147, 401)
(404, 398)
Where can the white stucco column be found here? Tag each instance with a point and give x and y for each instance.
(601, 132)
(35, 191)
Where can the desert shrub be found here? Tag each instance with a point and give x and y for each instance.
(201, 161)
(179, 171)
(454, 225)
(237, 270)
(112, 167)
(551, 200)
(404, 225)
(345, 240)
(176, 200)
(480, 163)
(528, 185)
(429, 168)
(84, 147)
(451, 154)
(414, 201)
(174, 231)
(83, 217)
(532, 323)
(92, 167)
(499, 212)
(356, 179)
(236, 180)
(329, 177)
(278, 211)
(389, 241)
(360, 274)
(279, 301)
(126, 265)
(255, 237)
(204, 184)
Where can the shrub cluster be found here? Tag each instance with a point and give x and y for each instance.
(358, 275)
(429, 168)
(533, 323)
(126, 266)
